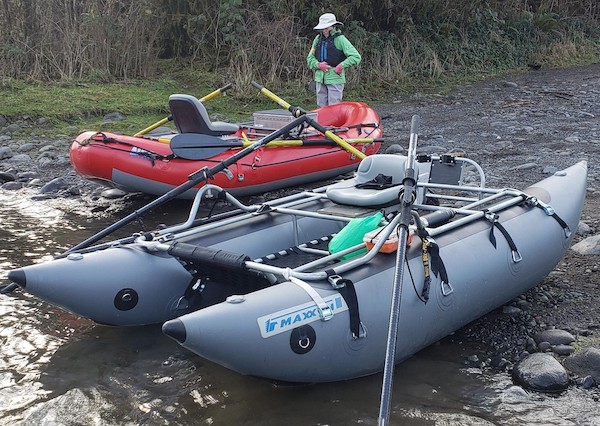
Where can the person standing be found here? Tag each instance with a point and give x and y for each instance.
(331, 53)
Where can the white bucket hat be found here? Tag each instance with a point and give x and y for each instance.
(327, 20)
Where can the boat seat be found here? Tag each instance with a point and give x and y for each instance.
(377, 182)
(190, 116)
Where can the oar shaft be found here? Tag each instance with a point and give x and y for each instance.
(216, 93)
(194, 179)
(409, 184)
(296, 111)
(154, 126)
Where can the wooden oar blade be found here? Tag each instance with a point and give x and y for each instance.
(195, 146)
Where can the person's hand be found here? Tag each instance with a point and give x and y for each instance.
(339, 69)
(324, 66)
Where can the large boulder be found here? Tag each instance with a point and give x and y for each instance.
(541, 372)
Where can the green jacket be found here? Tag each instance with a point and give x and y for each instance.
(341, 43)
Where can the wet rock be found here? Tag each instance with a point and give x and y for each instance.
(12, 186)
(554, 337)
(585, 363)
(54, 185)
(26, 176)
(541, 372)
(7, 177)
(113, 193)
(590, 245)
(514, 395)
(74, 407)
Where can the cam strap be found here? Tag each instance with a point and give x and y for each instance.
(427, 280)
(437, 267)
(346, 288)
(493, 218)
(534, 201)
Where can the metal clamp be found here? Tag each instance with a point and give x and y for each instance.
(336, 282)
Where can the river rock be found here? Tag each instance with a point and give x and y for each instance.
(7, 177)
(563, 350)
(54, 185)
(73, 407)
(585, 363)
(541, 372)
(554, 337)
(5, 152)
(591, 245)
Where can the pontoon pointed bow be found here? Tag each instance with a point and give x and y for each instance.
(276, 333)
(117, 286)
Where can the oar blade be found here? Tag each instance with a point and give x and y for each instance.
(195, 146)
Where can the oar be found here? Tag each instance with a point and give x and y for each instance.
(194, 146)
(407, 200)
(165, 120)
(296, 111)
(194, 179)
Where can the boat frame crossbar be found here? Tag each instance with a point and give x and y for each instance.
(495, 201)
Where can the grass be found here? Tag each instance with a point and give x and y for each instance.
(74, 106)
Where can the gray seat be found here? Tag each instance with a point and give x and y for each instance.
(390, 165)
(190, 116)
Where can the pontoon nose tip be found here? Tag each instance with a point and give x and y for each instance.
(175, 329)
(18, 276)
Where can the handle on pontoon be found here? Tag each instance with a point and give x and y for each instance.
(407, 201)
(165, 120)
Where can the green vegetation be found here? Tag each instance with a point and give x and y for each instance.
(74, 62)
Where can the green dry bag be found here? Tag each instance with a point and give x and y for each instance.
(353, 233)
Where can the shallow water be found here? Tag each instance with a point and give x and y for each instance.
(56, 368)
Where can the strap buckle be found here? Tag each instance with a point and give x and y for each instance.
(336, 281)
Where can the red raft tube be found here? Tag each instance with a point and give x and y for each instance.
(148, 164)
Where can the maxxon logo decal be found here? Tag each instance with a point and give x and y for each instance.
(287, 319)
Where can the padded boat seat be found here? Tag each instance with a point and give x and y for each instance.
(190, 116)
(379, 167)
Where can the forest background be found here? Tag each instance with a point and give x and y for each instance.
(157, 45)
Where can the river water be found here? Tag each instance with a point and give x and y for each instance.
(59, 369)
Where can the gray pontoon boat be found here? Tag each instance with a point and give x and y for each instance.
(261, 292)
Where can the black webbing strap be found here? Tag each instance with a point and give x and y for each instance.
(346, 288)
(493, 219)
(380, 181)
(550, 212)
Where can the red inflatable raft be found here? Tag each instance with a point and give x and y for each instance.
(147, 163)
